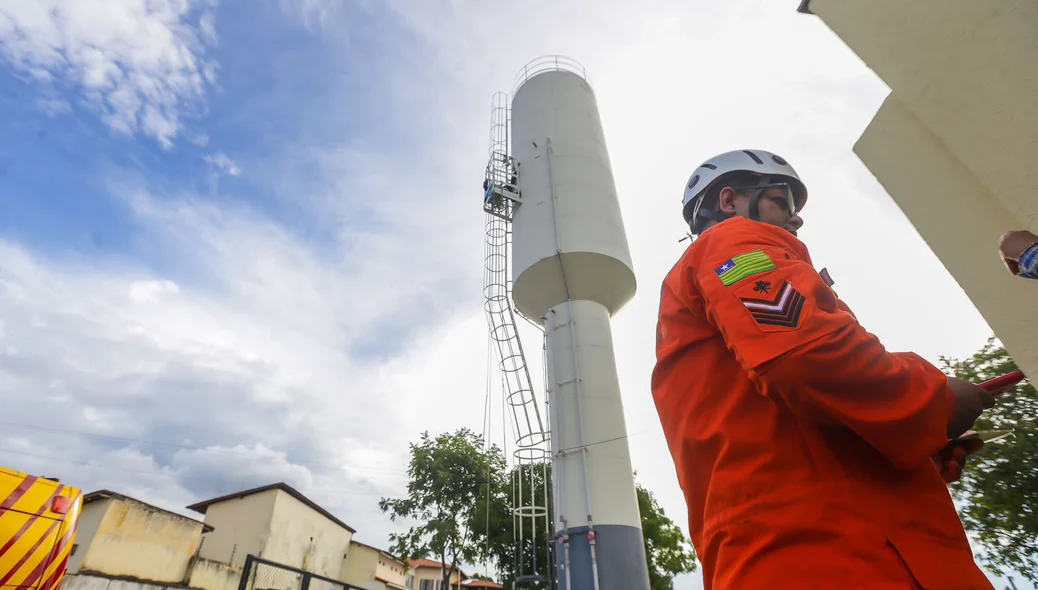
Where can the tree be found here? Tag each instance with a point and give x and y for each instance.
(511, 553)
(462, 494)
(667, 550)
(999, 487)
(448, 476)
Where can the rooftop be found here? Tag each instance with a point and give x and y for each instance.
(202, 506)
(423, 562)
(481, 584)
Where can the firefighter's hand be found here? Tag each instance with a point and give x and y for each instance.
(970, 402)
(951, 460)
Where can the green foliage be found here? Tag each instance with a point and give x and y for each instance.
(514, 554)
(462, 520)
(667, 550)
(999, 487)
(448, 476)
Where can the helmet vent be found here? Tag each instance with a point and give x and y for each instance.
(710, 166)
(754, 156)
(778, 160)
(692, 181)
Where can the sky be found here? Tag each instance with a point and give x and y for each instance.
(241, 240)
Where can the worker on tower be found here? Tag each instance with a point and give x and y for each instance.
(809, 456)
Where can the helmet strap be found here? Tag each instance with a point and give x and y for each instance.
(713, 215)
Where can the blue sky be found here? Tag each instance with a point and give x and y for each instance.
(243, 229)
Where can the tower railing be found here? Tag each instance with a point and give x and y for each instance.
(549, 63)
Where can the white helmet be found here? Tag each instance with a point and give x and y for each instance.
(771, 167)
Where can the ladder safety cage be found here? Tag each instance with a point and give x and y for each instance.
(531, 517)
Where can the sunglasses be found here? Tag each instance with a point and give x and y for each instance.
(790, 198)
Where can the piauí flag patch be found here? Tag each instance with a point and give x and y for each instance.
(782, 310)
(739, 267)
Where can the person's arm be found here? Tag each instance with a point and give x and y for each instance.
(800, 346)
(1019, 251)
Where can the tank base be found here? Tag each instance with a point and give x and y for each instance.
(620, 556)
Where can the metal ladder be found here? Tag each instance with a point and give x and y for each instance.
(530, 483)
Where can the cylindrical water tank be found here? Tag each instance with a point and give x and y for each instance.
(569, 201)
(592, 471)
(599, 417)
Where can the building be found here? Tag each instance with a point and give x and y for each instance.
(955, 143)
(122, 538)
(485, 584)
(128, 543)
(426, 574)
(278, 523)
(374, 569)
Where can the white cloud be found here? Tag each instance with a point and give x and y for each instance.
(259, 371)
(223, 163)
(140, 64)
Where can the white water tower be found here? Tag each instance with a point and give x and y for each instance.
(572, 271)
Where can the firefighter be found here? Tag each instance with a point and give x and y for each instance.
(809, 456)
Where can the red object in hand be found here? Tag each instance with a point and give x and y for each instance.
(1000, 385)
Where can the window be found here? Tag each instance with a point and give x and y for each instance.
(428, 584)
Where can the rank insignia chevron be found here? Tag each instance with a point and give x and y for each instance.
(784, 310)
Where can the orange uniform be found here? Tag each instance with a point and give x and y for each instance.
(802, 446)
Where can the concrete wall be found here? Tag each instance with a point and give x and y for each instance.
(909, 161)
(303, 538)
(390, 570)
(92, 582)
(213, 575)
(89, 522)
(956, 143)
(241, 526)
(138, 541)
(369, 568)
(360, 566)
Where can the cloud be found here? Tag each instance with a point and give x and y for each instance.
(223, 163)
(141, 65)
(254, 370)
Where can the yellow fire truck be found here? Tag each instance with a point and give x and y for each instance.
(38, 518)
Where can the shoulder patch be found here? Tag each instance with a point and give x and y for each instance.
(781, 310)
(739, 267)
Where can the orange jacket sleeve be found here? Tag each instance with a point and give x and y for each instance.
(802, 346)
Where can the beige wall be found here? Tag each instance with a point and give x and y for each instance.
(138, 541)
(241, 526)
(89, 522)
(390, 570)
(370, 568)
(304, 538)
(956, 143)
(360, 566)
(428, 573)
(213, 575)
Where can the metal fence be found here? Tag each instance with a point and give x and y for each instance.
(263, 574)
